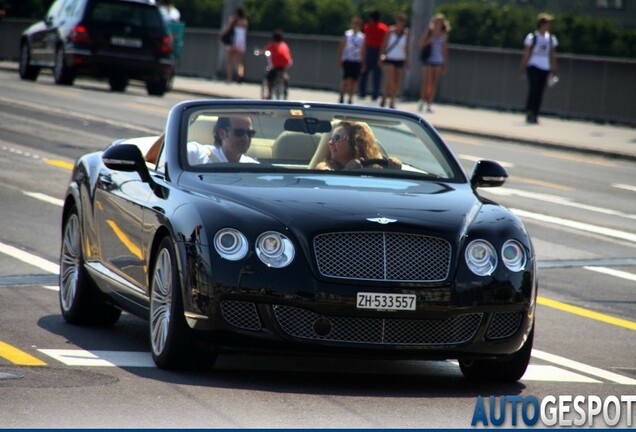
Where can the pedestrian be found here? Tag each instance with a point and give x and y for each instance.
(538, 62)
(234, 37)
(434, 56)
(395, 58)
(374, 32)
(350, 58)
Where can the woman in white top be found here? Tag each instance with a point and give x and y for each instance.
(236, 50)
(395, 55)
(351, 58)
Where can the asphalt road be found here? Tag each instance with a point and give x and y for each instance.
(579, 209)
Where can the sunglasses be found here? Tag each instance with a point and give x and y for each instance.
(240, 132)
(338, 137)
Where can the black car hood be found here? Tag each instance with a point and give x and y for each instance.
(336, 202)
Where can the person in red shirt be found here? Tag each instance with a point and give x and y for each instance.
(374, 33)
(279, 59)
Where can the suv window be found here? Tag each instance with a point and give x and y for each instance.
(126, 13)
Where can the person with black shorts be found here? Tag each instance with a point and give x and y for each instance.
(351, 59)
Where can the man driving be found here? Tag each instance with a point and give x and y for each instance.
(232, 139)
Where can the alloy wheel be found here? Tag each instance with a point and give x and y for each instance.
(70, 262)
(161, 301)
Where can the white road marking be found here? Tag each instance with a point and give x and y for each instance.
(476, 158)
(100, 358)
(630, 188)
(583, 368)
(51, 287)
(29, 258)
(554, 199)
(534, 372)
(45, 198)
(581, 226)
(612, 272)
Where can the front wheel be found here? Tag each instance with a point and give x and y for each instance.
(27, 72)
(80, 301)
(508, 370)
(171, 340)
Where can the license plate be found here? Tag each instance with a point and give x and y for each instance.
(385, 301)
(126, 42)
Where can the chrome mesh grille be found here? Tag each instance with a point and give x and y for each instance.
(382, 256)
(503, 325)
(241, 314)
(299, 323)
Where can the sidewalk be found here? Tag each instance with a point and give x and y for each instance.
(552, 132)
(604, 140)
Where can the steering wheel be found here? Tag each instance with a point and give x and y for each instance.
(379, 161)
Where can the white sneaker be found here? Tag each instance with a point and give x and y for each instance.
(429, 109)
(420, 105)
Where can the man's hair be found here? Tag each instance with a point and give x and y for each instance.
(221, 123)
(277, 35)
(375, 15)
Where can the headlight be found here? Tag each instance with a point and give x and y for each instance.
(231, 244)
(481, 257)
(274, 249)
(513, 255)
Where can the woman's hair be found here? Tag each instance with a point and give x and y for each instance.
(360, 139)
(240, 12)
(445, 23)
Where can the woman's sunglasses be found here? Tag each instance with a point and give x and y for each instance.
(338, 137)
(240, 132)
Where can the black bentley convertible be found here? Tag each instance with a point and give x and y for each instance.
(245, 228)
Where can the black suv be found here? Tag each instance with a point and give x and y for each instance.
(116, 39)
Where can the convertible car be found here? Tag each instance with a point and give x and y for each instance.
(397, 256)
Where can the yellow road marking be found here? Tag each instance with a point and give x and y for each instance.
(631, 325)
(461, 139)
(583, 159)
(541, 183)
(133, 248)
(18, 357)
(59, 163)
(136, 105)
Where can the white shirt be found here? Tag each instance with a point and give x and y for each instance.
(205, 154)
(352, 51)
(396, 46)
(540, 54)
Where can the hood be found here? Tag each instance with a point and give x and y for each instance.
(315, 203)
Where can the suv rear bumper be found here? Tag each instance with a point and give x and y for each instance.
(110, 64)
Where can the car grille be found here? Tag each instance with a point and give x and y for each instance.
(503, 325)
(304, 324)
(382, 256)
(241, 314)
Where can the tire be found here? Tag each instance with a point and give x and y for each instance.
(80, 301)
(118, 83)
(171, 340)
(157, 88)
(510, 369)
(27, 72)
(62, 73)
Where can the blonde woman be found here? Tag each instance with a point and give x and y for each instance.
(436, 63)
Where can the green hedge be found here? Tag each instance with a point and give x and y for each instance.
(505, 26)
(481, 23)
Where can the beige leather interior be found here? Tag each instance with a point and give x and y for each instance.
(295, 147)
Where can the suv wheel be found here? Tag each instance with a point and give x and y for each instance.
(61, 72)
(118, 83)
(27, 72)
(158, 87)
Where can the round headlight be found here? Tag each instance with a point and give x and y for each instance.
(274, 249)
(231, 244)
(513, 255)
(481, 257)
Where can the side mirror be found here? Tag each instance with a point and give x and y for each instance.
(128, 158)
(488, 173)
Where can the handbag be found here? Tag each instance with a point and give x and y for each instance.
(228, 36)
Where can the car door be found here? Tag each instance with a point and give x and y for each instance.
(120, 199)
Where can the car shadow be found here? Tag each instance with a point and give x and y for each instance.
(294, 374)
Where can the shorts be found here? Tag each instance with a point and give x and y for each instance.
(351, 70)
(399, 64)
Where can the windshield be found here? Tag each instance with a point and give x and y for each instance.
(313, 138)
